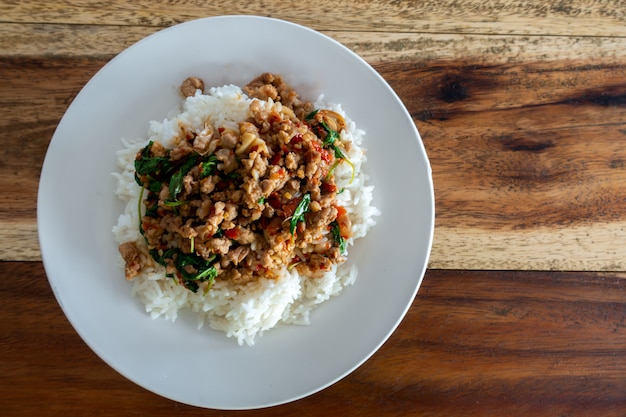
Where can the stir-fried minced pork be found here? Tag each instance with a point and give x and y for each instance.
(132, 259)
(239, 204)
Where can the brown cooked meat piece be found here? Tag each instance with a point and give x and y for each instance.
(189, 87)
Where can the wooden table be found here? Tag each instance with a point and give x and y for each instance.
(522, 109)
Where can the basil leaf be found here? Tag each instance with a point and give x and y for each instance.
(311, 115)
(197, 262)
(138, 180)
(339, 240)
(176, 185)
(205, 268)
(154, 185)
(161, 256)
(298, 214)
(339, 153)
(170, 203)
(152, 211)
(207, 274)
(206, 271)
(146, 164)
(331, 136)
(150, 165)
(208, 167)
(176, 181)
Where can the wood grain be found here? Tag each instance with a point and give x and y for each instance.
(472, 344)
(532, 152)
(581, 17)
(523, 123)
(106, 41)
(34, 94)
(527, 148)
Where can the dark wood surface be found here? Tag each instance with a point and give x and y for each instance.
(522, 110)
(472, 344)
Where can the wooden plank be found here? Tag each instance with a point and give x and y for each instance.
(101, 41)
(579, 17)
(472, 344)
(527, 161)
(34, 94)
(48, 40)
(597, 247)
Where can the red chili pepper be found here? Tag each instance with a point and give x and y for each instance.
(290, 207)
(328, 187)
(324, 154)
(276, 158)
(297, 138)
(274, 201)
(232, 233)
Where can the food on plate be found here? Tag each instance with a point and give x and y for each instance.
(242, 207)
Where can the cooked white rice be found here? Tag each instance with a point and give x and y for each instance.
(241, 312)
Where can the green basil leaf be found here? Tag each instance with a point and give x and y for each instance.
(207, 274)
(336, 233)
(208, 167)
(161, 256)
(176, 185)
(146, 164)
(176, 181)
(206, 271)
(138, 180)
(331, 136)
(298, 214)
(338, 153)
(152, 211)
(311, 115)
(170, 203)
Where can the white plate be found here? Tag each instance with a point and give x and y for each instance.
(77, 209)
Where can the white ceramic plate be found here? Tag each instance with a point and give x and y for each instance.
(77, 209)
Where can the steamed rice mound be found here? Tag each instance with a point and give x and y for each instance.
(244, 308)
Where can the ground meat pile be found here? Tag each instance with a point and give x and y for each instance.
(241, 204)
